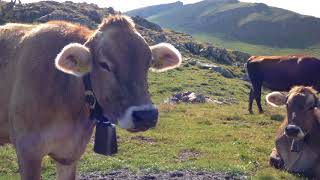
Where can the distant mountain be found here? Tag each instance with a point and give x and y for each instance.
(91, 15)
(152, 10)
(253, 23)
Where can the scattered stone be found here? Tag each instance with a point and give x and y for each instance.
(83, 13)
(147, 24)
(175, 175)
(224, 72)
(241, 57)
(192, 62)
(196, 98)
(187, 97)
(188, 154)
(193, 47)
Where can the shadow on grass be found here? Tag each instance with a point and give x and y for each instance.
(277, 117)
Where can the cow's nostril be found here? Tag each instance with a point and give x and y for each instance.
(292, 131)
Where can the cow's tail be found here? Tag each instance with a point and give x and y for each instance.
(245, 66)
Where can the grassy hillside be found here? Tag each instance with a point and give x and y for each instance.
(223, 137)
(250, 27)
(255, 49)
(193, 137)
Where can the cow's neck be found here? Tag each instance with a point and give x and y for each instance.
(74, 99)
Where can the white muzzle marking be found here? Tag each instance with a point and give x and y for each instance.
(126, 121)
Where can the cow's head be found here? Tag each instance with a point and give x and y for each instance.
(301, 104)
(118, 58)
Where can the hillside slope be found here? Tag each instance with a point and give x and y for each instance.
(253, 23)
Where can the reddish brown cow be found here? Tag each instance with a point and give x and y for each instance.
(281, 73)
(297, 142)
(43, 104)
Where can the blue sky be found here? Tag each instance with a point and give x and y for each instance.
(307, 7)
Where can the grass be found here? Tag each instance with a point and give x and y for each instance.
(225, 137)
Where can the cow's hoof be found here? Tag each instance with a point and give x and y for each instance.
(276, 162)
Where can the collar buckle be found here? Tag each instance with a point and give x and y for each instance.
(90, 99)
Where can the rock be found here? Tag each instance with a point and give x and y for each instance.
(86, 14)
(173, 175)
(220, 54)
(176, 174)
(189, 97)
(241, 57)
(206, 65)
(192, 62)
(224, 72)
(160, 38)
(146, 24)
(193, 47)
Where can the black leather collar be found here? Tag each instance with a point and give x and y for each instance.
(96, 111)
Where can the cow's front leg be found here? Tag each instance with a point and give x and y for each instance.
(275, 160)
(66, 172)
(29, 158)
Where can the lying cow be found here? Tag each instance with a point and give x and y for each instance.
(281, 73)
(43, 106)
(297, 143)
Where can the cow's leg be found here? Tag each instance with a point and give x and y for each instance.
(29, 158)
(257, 95)
(251, 98)
(275, 160)
(66, 172)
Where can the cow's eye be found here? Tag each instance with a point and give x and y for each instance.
(104, 66)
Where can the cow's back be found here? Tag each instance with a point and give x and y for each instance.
(282, 72)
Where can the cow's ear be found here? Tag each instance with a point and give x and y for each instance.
(276, 99)
(74, 59)
(165, 57)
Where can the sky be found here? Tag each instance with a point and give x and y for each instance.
(307, 7)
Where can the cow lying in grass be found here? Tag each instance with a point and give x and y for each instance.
(43, 94)
(298, 139)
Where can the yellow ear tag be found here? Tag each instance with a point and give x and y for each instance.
(158, 63)
(83, 68)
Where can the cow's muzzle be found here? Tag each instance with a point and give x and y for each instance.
(139, 118)
(294, 131)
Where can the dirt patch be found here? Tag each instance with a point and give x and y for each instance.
(175, 175)
(143, 139)
(188, 154)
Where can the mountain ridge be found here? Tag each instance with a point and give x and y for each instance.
(254, 23)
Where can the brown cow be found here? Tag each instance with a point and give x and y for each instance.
(297, 142)
(43, 107)
(281, 73)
